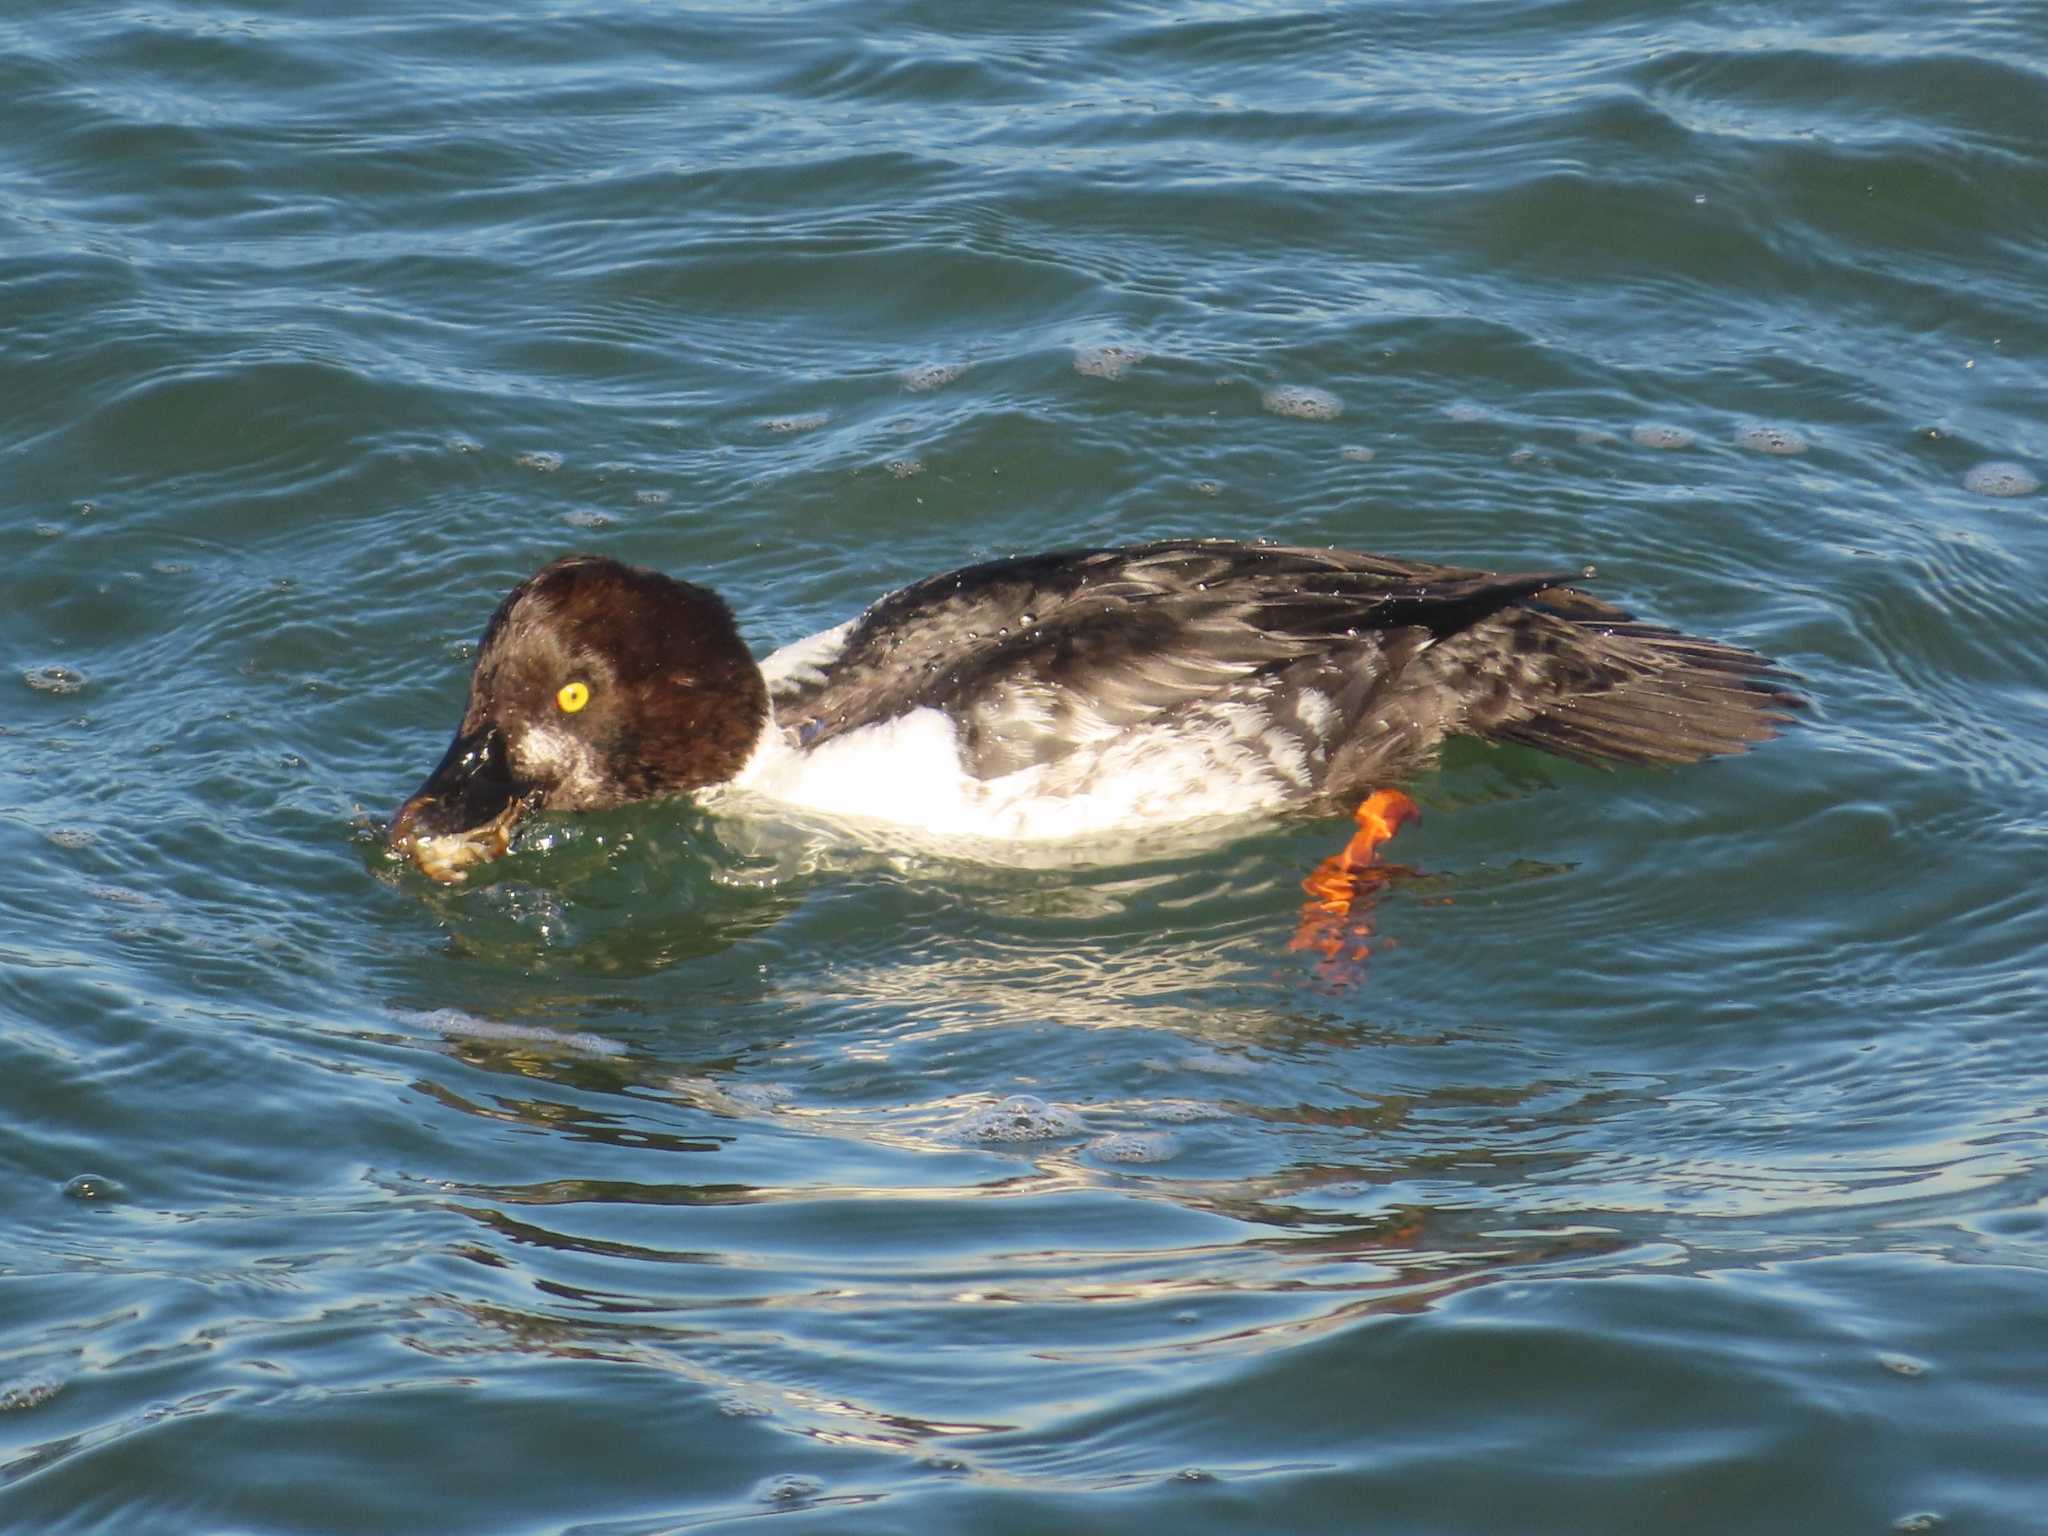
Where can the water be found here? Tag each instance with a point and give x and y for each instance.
(1680, 1164)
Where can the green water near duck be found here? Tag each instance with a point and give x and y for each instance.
(1676, 1162)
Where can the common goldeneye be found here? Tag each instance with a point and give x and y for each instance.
(1064, 695)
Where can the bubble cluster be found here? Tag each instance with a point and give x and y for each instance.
(1357, 455)
(927, 376)
(1135, 1147)
(1657, 434)
(1768, 437)
(650, 498)
(1184, 1111)
(540, 462)
(586, 519)
(903, 469)
(2001, 478)
(761, 1095)
(121, 896)
(452, 1021)
(1111, 362)
(1020, 1117)
(1304, 402)
(809, 423)
(54, 679)
(28, 1392)
(788, 1489)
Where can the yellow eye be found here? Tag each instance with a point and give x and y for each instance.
(573, 697)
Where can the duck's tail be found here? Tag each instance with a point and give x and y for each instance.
(1569, 674)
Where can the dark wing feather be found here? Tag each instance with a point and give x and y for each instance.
(1043, 654)
(1570, 674)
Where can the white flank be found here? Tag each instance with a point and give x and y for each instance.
(1228, 759)
(909, 771)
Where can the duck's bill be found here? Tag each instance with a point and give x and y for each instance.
(465, 812)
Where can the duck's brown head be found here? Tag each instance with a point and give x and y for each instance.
(596, 684)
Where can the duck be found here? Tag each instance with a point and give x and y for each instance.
(1066, 695)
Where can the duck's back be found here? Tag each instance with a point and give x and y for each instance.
(1348, 669)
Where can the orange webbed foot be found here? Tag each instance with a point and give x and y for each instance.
(1336, 919)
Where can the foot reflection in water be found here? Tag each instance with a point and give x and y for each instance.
(1336, 920)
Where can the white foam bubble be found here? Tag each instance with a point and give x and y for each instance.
(932, 375)
(452, 1021)
(1111, 362)
(1135, 1147)
(1357, 455)
(789, 1489)
(1769, 437)
(761, 1095)
(122, 896)
(1020, 1117)
(1304, 402)
(54, 679)
(1658, 434)
(2001, 478)
(28, 1392)
(1186, 1111)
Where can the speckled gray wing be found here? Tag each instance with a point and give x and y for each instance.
(1041, 655)
(1368, 662)
(1570, 674)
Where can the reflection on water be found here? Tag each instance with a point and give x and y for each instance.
(1209, 1209)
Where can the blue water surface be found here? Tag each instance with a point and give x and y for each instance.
(1678, 1160)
